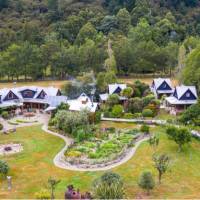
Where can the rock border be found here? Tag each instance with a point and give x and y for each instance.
(60, 161)
(15, 148)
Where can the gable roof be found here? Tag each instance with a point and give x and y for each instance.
(50, 91)
(159, 81)
(181, 90)
(112, 87)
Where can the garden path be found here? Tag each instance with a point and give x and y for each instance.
(60, 162)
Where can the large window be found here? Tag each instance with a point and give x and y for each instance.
(28, 94)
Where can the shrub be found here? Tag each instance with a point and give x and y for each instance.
(43, 194)
(133, 132)
(113, 99)
(147, 100)
(128, 116)
(127, 92)
(135, 105)
(107, 114)
(191, 115)
(108, 186)
(146, 181)
(117, 111)
(4, 168)
(147, 113)
(93, 155)
(68, 121)
(80, 135)
(75, 154)
(52, 122)
(144, 129)
(111, 129)
(1, 127)
(5, 114)
(97, 117)
(137, 115)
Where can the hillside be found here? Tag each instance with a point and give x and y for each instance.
(59, 38)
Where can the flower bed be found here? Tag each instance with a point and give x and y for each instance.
(101, 150)
(7, 149)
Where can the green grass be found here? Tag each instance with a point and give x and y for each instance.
(31, 168)
(57, 84)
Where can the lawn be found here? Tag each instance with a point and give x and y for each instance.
(31, 168)
(144, 80)
(57, 84)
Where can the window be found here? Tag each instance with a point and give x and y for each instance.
(188, 94)
(10, 95)
(28, 93)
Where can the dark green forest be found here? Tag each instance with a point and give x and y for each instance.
(57, 38)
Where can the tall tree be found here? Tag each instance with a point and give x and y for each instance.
(124, 20)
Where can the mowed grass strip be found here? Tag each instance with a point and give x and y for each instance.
(31, 168)
(57, 84)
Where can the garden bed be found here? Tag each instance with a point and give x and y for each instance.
(104, 150)
(8, 149)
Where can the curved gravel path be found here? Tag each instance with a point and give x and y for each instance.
(60, 162)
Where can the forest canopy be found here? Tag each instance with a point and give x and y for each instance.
(53, 38)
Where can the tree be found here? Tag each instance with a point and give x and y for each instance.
(191, 72)
(154, 142)
(110, 78)
(88, 31)
(31, 32)
(108, 186)
(4, 168)
(191, 115)
(71, 27)
(161, 163)
(127, 92)
(145, 129)
(146, 181)
(52, 184)
(117, 111)
(135, 105)
(141, 9)
(113, 99)
(52, 4)
(180, 135)
(91, 56)
(101, 84)
(68, 121)
(124, 20)
(108, 24)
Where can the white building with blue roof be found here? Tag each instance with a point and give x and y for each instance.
(182, 97)
(113, 89)
(27, 96)
(162, 86)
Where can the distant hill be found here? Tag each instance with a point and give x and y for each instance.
(60, 37)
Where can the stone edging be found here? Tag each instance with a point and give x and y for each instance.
(59, 159)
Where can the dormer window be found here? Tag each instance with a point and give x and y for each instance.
(10, 95)
(41, 95)
(28, 94)
(187, 94)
